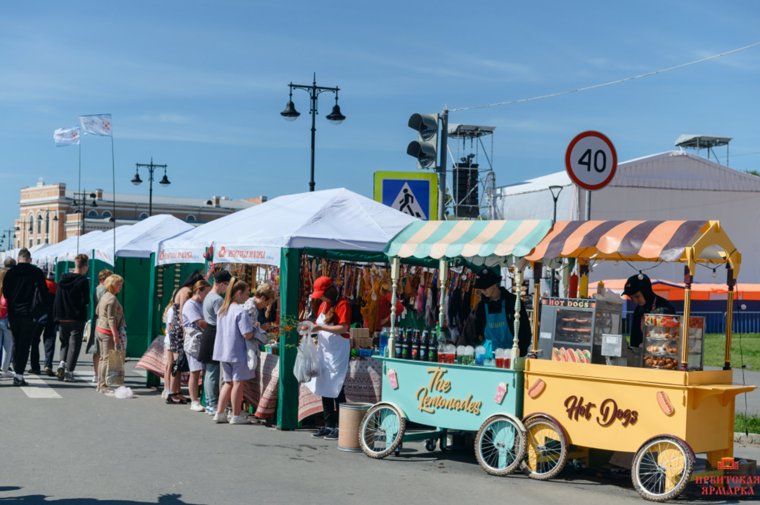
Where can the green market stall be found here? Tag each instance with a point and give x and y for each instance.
(332, 223)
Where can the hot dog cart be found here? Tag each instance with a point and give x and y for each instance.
(448, 396)
(665, 413)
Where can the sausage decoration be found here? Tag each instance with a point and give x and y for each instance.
(665, 404)
(536, 389)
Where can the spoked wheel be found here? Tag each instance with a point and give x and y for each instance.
(500, 445)
(381, 430)
(662, 468)
(546, 453)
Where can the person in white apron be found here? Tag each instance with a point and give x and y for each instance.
(334, 349)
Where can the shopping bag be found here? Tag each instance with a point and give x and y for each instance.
(307, 364)
(192, 343)
(115, 368)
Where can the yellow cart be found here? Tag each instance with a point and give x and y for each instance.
(665, 417)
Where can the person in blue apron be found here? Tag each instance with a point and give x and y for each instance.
(495, 314)
(334, 350)
(639, 289)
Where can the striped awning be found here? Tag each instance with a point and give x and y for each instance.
(477, 241)
(637, 241)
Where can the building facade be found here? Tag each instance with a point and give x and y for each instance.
(50, 213)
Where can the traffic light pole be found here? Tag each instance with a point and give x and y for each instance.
(442, 165)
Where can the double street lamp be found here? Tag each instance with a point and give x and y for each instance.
(80, 207)
(290, 113)
(136, 180)
(47, 223)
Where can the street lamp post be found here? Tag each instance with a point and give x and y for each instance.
(290, 113)
(80, 207)
(151, 168)
(47, 223)
(555, 191)
(10, 233)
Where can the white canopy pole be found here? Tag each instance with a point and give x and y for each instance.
(395, 267)
(518, 308)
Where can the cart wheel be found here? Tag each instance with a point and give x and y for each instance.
(430, 444)
(381, 430)
(500, 445)
(662, 468)
(546, 453)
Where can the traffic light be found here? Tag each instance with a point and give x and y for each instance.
(424, 149)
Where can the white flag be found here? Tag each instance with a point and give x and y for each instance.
(96, 124)
(66, 136)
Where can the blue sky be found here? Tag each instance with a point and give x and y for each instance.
(199, 86)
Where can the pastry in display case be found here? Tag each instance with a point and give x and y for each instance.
(662, 341)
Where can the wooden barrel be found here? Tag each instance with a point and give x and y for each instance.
(350, 417)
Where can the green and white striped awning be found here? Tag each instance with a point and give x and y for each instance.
(479, 242)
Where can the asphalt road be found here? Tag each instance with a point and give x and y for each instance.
(70, 445)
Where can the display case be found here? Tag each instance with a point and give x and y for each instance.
(572, 328)
(662, 341)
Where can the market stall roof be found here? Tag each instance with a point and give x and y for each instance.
(334, 219)
(672, 241)
(53, 251)
(140, 239)
(477, 241)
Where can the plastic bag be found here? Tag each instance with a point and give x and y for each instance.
(123, 393)
(115, 368)
(307, 363)
(192, 342)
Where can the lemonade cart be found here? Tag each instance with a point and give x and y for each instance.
(663, 411)
(446, 396)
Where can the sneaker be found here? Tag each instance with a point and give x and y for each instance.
(49, 371)
(242, 418)
(108, 392)
(60, 373)
(332, 435)
(220, 418)
(19, 382)
(196, 406)
(210, 410)
(321, 432)
(68, 377)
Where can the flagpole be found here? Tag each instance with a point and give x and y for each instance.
(79, 190)
(113, 176)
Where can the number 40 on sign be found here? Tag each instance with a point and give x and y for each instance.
(591, 160)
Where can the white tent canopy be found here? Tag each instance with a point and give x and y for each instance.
(138, 240)
(51, 253)
(667, 186)
(335, 219)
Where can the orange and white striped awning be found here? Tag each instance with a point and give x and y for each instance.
(484, 240)
(638, 241)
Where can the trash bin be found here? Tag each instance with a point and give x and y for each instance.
(349, 418)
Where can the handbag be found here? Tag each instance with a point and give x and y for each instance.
(180, 364)
(115, 368)
(192, 343)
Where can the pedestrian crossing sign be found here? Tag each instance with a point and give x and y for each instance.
(414, 193)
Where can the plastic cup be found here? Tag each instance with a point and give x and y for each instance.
(507, 362)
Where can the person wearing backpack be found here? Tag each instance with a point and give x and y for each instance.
(25, 290)
(70, 310)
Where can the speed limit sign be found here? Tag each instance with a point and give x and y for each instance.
(591, 160)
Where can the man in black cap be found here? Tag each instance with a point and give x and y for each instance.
(495, 314)
(639, 289)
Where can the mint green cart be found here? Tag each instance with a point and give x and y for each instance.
(447, 397)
